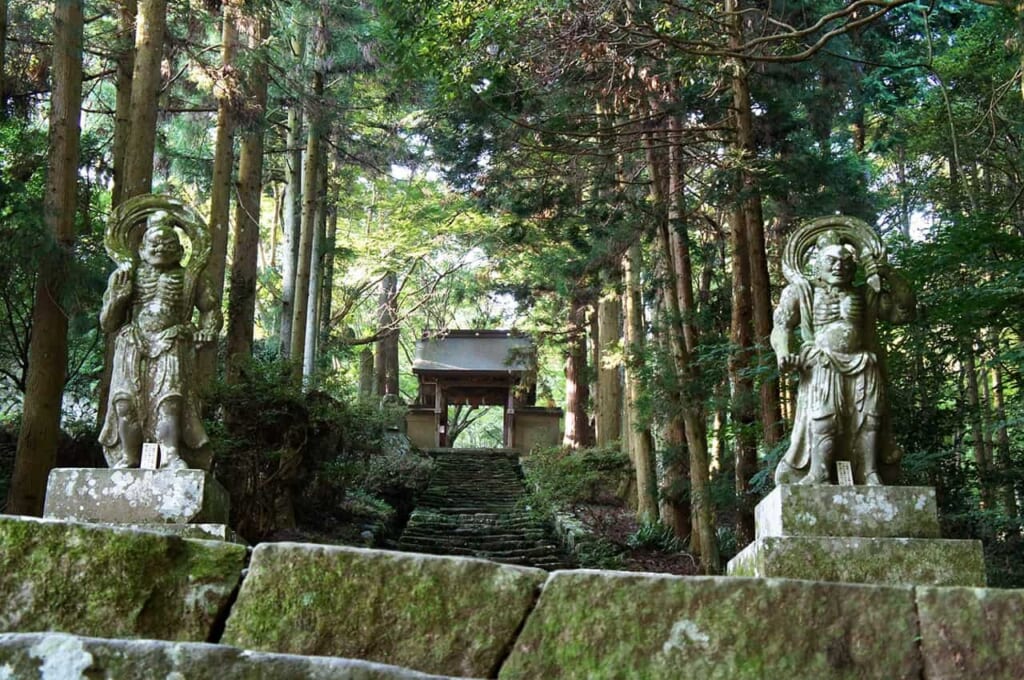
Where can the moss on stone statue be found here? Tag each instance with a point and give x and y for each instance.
(612, 625)
(441, 615)
(111, 582)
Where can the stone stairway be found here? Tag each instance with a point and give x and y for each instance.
(473, 506)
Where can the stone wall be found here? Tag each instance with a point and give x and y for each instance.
(459, 617)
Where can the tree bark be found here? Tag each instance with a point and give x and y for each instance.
(244, 262)
(366, 374)
(310, 187)
(578, 433)
(386, 355)
(639, 433)
(127, 11)
(1003, 443)
(150, 30)
(3, 60)
(48, 348)
(974, 407)
(316, 274)
(225, 91)
(608, 411)
(292, 226)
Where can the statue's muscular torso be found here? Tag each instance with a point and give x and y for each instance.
(838, 319)
(157, 303)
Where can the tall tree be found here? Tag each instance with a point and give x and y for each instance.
(150, 33)
(48, 351)
(242, 295)
(226, 93)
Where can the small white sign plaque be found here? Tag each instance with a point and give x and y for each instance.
(844, 471)
(150, 456)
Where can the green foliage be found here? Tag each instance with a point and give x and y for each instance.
(561, 478)
(655, 536)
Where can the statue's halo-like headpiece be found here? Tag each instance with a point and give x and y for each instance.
(834, 229)
(129, 220)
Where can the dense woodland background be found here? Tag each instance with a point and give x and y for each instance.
(616, 178)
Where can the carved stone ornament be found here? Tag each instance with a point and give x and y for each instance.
(161, 247)
(841, 409)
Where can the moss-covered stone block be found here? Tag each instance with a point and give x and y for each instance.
(112, 582)
(868, 511)
(972, 633)
(46, 656)
(597, 624)
(907, 561)
(136, 496)
(454, 616)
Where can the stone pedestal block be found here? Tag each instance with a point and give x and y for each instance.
(905, 561)
(858, 534)
(868, 511)
(136, 496)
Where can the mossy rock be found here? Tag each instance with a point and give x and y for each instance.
(593, 625)
(454, 616)
(43, 656)
(972, 632)
(112, 582)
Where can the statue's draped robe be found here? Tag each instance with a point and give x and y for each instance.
(847, 386)
(150, 367)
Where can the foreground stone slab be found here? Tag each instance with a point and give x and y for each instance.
(112, 582)
(135, 496)
(45, 656)
(972, 633)
(454, 616)
(595, 624)
(867, 511)
(906, 561)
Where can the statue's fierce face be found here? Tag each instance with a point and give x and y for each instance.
(161, 247)
(835, 265)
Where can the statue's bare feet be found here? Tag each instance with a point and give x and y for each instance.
(872, 479)
(815, 476)
(173, 462)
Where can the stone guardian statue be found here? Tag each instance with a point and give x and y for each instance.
(841, 411)
(148, 307)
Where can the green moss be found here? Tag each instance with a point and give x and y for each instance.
(439, 615)
(590, 625)
(112, 583)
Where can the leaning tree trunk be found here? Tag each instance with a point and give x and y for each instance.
(244, 263)
(639, 435)
(223, 164)
(48, 347)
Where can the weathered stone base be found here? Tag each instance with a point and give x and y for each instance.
(203, 532)
(45, 656)
(867, 511)
(111, 582)
(594, 625)
(449, 615)
(136, 496)
(909, 561)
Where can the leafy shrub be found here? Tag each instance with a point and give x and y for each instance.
(561, 478)
(655, 536)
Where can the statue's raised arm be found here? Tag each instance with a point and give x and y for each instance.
(841, 411)
(148, 307)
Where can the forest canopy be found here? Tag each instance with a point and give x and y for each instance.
(617, 179)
